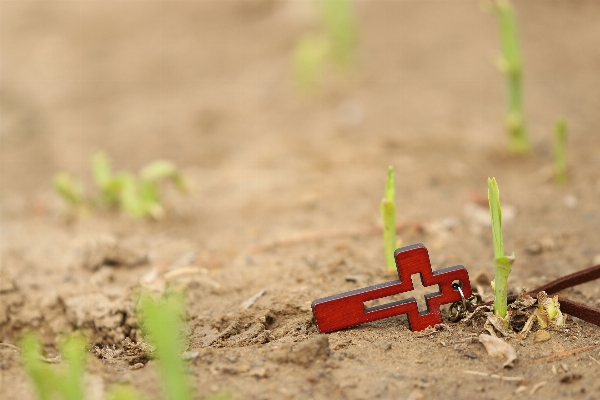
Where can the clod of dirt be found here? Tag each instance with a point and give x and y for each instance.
(541, 336)
(133, 354)
(190, 355)
(92, 252)
(6, 284)
(570, 378)
(109, 322)
(483, 279)
(304, 353)
(498, 348)
(543, 245)
(259, 372)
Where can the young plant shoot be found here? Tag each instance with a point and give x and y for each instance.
(388, 214)
(502, 263)
(138, 195)
(334, 42)
(510, 64)
(49, 380)
(339, 18)
(560, 151)
(162, 322)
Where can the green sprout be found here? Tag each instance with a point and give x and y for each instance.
(139, 195)
(548, 312)
(53, 382)
(339, 18)
(502, 263)
(122, 392)
(48, 380)
(69, 189)
(510, 64)
(163, 324)
(560, 151)
(309, 57)
(335, 42)
(388, 213)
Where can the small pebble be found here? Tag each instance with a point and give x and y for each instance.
(189, 355)
(231, 357)
(571, 201)
(534, 248)
(386, 346)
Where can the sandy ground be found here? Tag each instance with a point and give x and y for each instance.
(286, 188)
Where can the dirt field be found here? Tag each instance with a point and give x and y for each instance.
(286, 188)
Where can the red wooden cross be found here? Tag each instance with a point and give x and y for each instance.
(348, 309)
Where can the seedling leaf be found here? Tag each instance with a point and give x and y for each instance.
(388, 214)
(162, 322)
(163, 169)
(48, 380)
(502, 263)
(340, 22)
(560, 151)
(69, 189)
(510, 64)
(308, 59)
(121, 392)
(42, 378)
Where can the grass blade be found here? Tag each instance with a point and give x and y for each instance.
(388, 214)
(163, 323)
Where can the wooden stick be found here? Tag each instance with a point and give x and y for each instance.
(536, 387)
(564, 353)
(12, 346)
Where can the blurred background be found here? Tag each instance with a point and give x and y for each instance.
(210, 86)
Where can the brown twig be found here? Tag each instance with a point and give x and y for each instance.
(536, 387)
(12, 346)
(495, 376)
(596, 361)
(564, 353)
(315, 236)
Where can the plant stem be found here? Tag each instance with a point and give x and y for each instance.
(388, 213)
(511, 65)
(502, 263)
(162, 322)
(560, 151)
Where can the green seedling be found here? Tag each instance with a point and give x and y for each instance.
(138, 195)
(309, 56)
(334, 42)
(388, 214)
(339, 19)
(548, 312)
(511, 65)
(162, 322)
(560, 151)
(49, 380)
(69, 189)
(502, 263)
(122, 392)
(64, 382)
